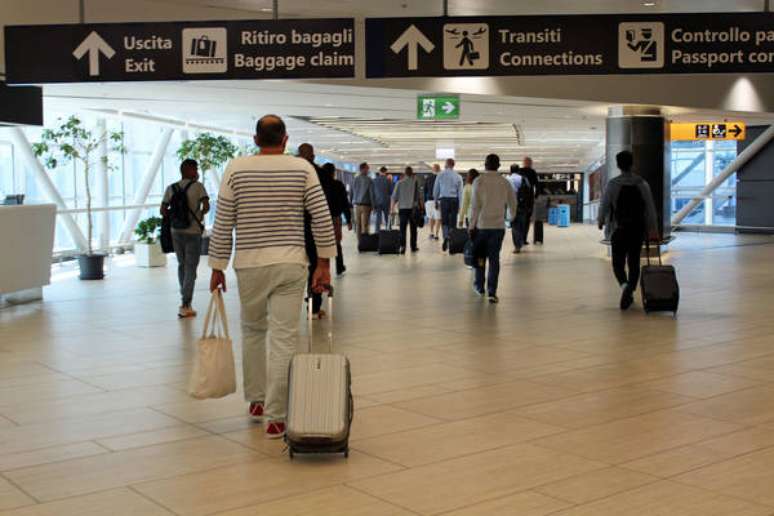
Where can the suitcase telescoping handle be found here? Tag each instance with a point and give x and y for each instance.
(310, 317)
(647, 251)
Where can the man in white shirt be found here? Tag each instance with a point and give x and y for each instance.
(263, 198)
(492, 196)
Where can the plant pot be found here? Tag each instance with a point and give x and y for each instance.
(149, 255)
(92, 266)
(205, 245)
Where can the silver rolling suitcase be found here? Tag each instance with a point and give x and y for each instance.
(320, 405)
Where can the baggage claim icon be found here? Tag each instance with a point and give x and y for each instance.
(466, 46)
(204, 50)
(641, 45)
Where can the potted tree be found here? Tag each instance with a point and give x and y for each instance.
(212, 153)
(147, 249)
(72, 142)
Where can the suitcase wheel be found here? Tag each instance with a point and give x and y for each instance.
(346, 453)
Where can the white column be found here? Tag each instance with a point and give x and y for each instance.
(733, 167)
(103, 187)
(21, 143)
(147, 182)
(709, 164)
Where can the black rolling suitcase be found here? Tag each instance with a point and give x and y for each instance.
(389, 242)
(457, 239)
(538, 232)
(368, 243)
(660, 290)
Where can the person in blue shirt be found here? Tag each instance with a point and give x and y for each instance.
(382, 192)
(447, 193)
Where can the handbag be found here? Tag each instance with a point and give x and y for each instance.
(213, 374)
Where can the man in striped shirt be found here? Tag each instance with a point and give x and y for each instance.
(262, 199)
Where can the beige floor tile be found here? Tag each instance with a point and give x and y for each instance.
(484, 400)
(632, 438)
(228, 424)
(668, 499)
(11, 497)
(602, 406)
(46, 455)
(466, 481)
(700, 384)
(602, 377)
(407, 378)
(139, 440)
(246, 484)
(524, 358)
(254, 438)
(399, 395)
(47, 390)
(522, 504)
(41, 435)
(119, 469)
(197, 411)
(448, 440)
(118, 502)
(339, 500)
(384, 419)
(750, 477)
(747, 407)
(83, 406)
(595, 485)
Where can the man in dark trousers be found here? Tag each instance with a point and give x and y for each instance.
(529, 172)
(628, 215)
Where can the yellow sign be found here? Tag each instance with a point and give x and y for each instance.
(708, 131)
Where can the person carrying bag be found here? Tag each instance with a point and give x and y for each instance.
(213, 374)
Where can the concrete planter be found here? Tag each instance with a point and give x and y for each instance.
(149, 255)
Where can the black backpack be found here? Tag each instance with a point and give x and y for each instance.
(629, 211)
(525, 196)
(179, 211)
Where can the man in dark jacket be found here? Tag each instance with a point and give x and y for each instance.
(529, 172)
(338, 204)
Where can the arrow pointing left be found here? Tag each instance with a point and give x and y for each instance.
(94, 45)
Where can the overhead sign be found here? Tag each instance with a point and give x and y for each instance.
(568, 45)
(708, 131)
(259, 49)
(438, 107)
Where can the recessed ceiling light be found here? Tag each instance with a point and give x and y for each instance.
(649, 4)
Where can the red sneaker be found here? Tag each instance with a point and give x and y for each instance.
(256, 409)
(275, 430)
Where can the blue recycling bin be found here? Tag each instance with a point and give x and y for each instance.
(553, 216)
(564, 216)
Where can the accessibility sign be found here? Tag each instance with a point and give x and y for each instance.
(680, 131)
(570, 45)
(438, 107)
(244, 49)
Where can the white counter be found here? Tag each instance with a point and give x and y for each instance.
(26, 245)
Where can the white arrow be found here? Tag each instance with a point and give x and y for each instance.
(413, 39)
(93, 44)
(447, 107)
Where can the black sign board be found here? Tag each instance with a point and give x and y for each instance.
(259, 49)
(570, 45)
(21, 105)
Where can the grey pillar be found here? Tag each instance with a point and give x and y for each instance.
(644, 132)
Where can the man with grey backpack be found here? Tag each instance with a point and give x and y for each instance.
(628, 215)
(185, 204)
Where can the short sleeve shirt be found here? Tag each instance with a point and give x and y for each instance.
(196, 195)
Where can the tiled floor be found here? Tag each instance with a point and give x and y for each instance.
(552, 402)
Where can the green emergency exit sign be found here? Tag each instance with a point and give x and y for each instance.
(438, 107)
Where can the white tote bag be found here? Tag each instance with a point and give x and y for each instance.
(213, 374)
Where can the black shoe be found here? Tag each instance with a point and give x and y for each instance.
(415, 250)
(526, 243)
(626, 298)
(402, 250)
(445, 244)
(341, 271)
(494, 299)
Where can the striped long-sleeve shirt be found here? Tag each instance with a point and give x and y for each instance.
(262, 199)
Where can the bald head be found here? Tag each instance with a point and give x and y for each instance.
(270, 132)
(436, 168)
(527, 163)
(306, 151)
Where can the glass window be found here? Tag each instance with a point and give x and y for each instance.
(7, 179)
(724, 198)
(688, 173)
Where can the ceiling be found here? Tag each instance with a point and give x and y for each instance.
(397, 8)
